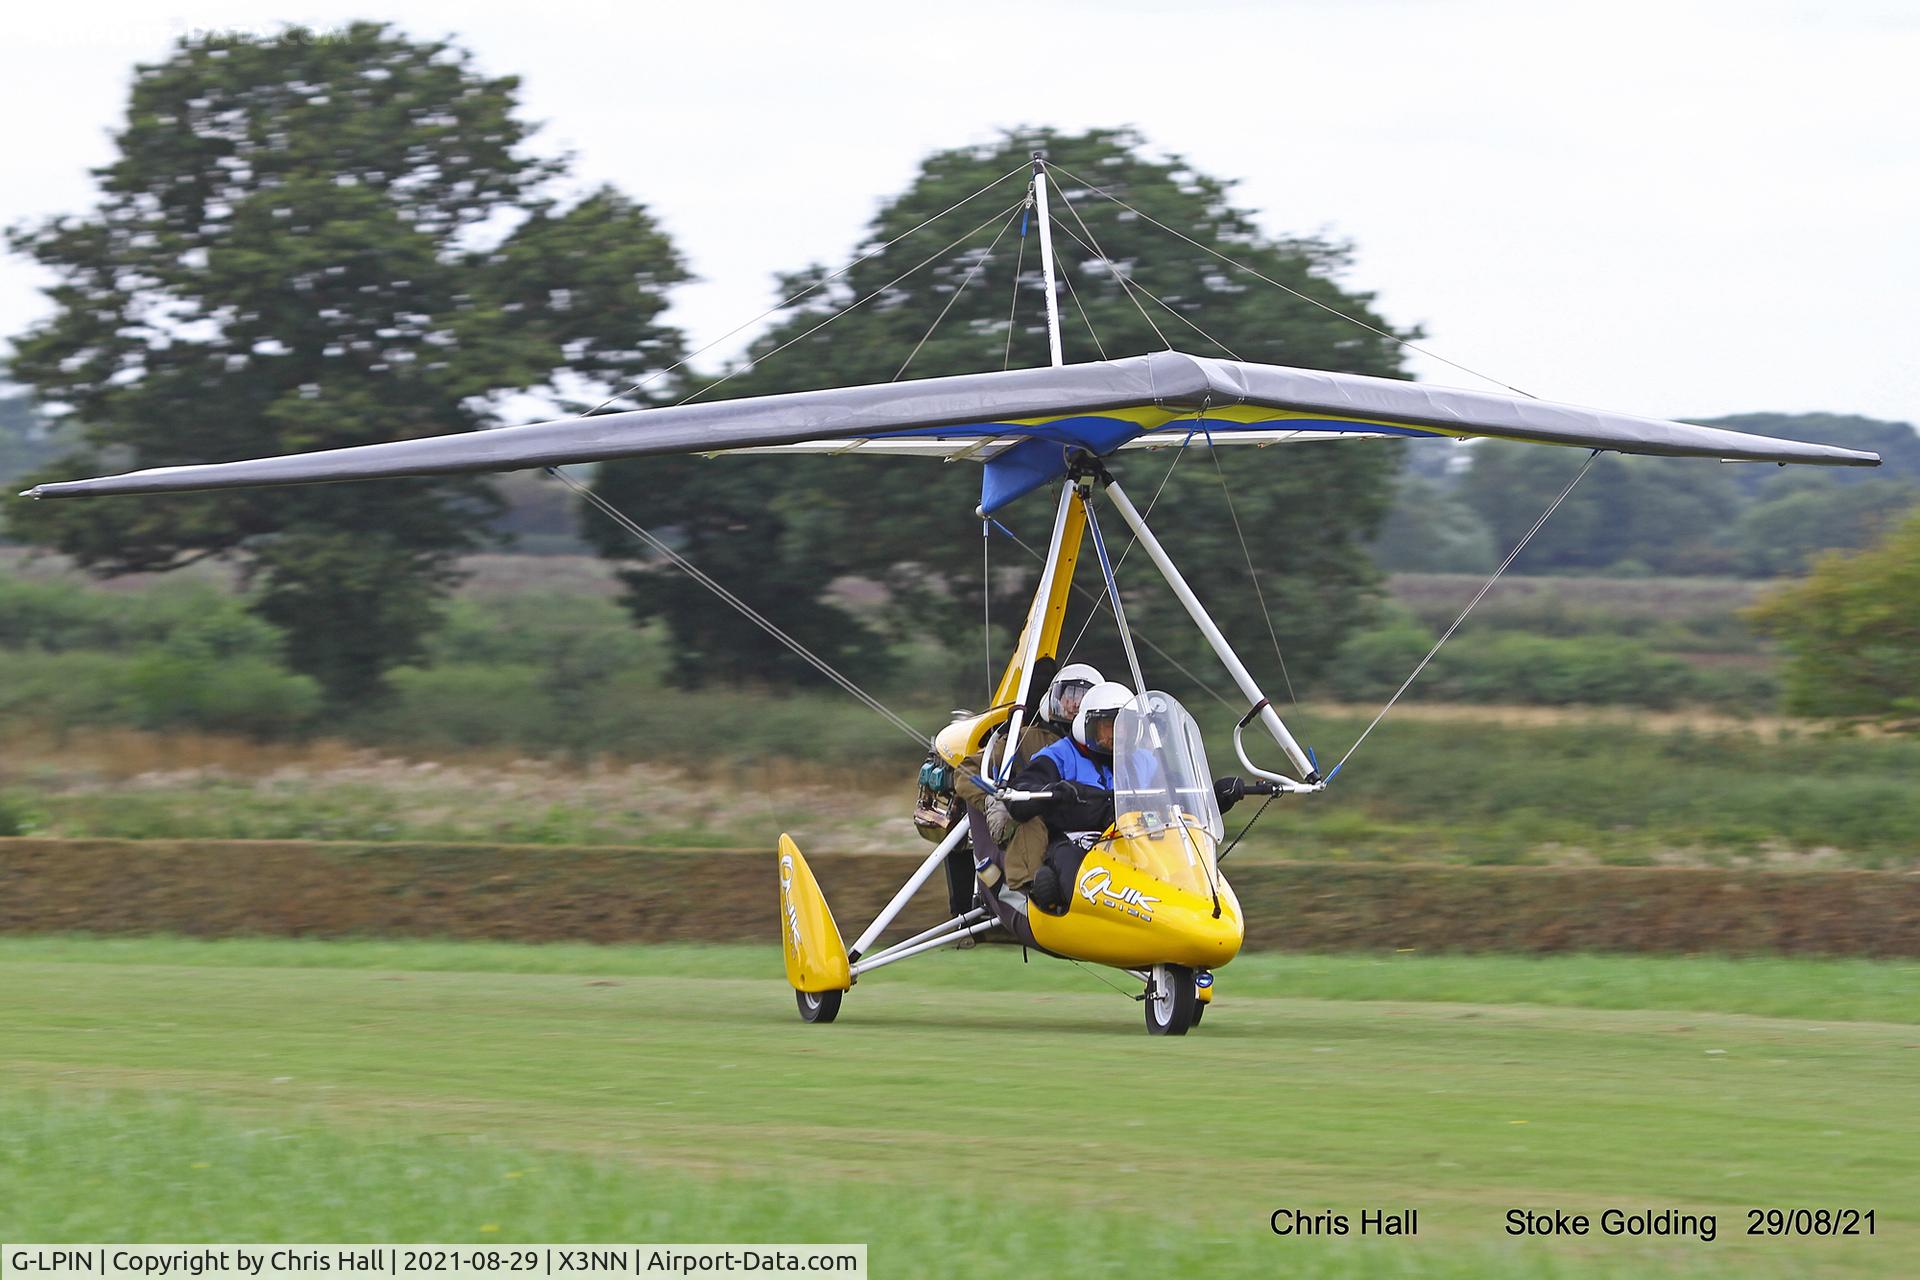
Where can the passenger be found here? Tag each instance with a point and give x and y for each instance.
(1071, 788)
(1024, 843)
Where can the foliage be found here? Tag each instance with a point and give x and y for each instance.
(1430, 530)
(1896, 442)
(1852, 628)
(1674, 516)
(1511, 667)
(1661, 513)
(1782, 535)
(297, 247)
(804, 523)
(248, 695)
(28, 440)
(61, 617)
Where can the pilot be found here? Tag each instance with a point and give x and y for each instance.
(1073, 780)
(1025, 843)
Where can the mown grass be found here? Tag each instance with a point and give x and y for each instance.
(1837, 990)
(970, 1117)
(168, 1171)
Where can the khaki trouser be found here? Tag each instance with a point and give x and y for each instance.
(1027, 848)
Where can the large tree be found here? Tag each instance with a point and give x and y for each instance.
(804, 523)
(312, 241)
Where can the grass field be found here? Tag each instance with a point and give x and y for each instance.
(970, 1116)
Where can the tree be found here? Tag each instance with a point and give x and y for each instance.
(1784, 534)
(908, 526)
(1660, 514)
(298, 247)
(1794, 513)
(1852, 628)
(1429, 530)
(1896, 442)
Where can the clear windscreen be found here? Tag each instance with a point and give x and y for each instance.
(1160, 777)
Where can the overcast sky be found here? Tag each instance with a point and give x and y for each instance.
(1678, 209)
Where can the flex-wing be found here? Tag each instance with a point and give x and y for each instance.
(1035, 418)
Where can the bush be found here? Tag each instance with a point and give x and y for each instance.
(247, 695)
(1510, 667)
(1851, 628)
(1373, 663)
(63, 617)
(66, 688)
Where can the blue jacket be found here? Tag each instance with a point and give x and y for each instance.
(1072, 764)
(1065, 761)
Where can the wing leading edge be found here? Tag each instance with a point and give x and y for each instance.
(1025, 423)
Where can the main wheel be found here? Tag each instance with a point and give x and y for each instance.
(1170, 1000)
(818, 1006)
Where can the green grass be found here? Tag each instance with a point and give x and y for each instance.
(1820, 989)
(164, 1170)
(173, 1089)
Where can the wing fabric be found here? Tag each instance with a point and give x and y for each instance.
(1025, 423)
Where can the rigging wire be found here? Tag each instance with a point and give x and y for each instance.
(1118, 275)
(1253, 575)
(1260, 275)
(1100, 601)
(1084, 319)
(1169, 307)
(1100, 976)
(984, 259)
(1222, 473)
(952, 244)
(1019, 265)
(1128, 550)
(1222, 855)
(1511, 556)
(1113, 594)
(742, 607)
(821, 282)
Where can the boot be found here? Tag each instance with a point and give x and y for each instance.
(1047, 893)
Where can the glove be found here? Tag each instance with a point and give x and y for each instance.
(1229, 791)
(1070, 792)
(1000, 823)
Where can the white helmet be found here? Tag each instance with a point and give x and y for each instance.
(1070, 684)
(1093, 727)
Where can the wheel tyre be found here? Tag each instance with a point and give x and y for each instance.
(1171, 1000)
(818, 1006)
(1199, 1010)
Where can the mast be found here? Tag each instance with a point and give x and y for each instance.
(1030, 653)
(1046, 255)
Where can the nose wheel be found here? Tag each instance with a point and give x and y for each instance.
(818, 1006)
(1171, 1000)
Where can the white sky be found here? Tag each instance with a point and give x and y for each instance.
(1680, 208)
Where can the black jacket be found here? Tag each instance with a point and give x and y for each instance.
(1089, 808)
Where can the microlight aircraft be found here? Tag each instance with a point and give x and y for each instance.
(1150, 898)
